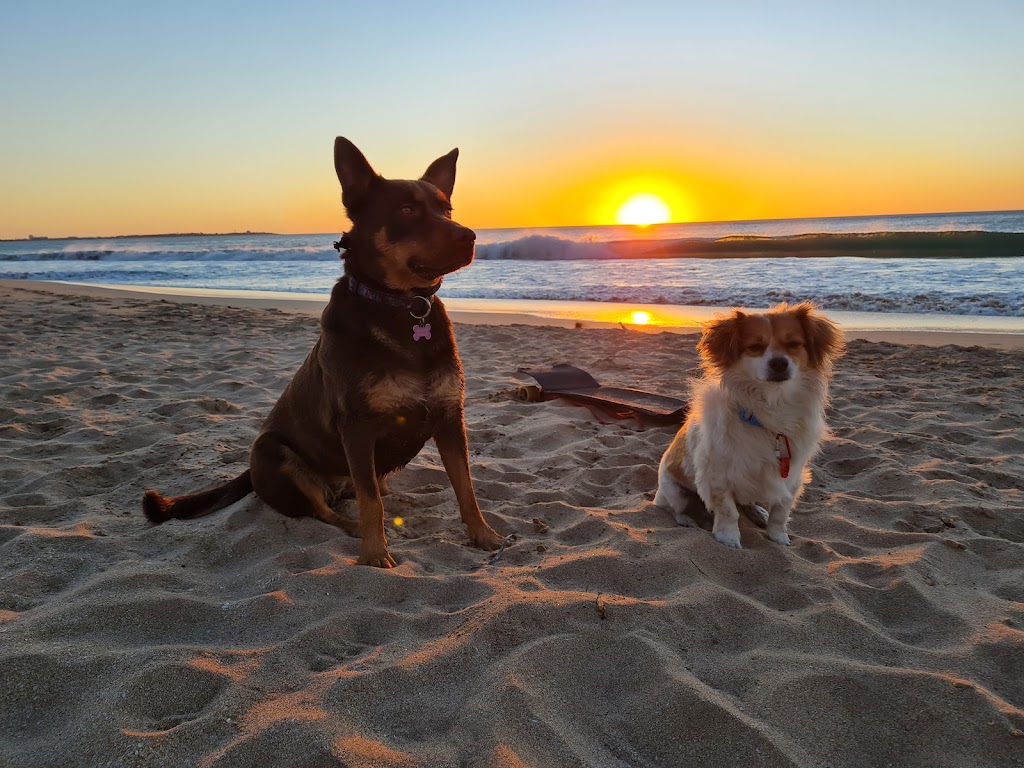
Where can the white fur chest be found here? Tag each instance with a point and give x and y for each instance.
(725, 453)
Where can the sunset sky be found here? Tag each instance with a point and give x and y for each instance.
(128, 118)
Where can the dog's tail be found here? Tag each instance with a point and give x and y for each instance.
(159, 509)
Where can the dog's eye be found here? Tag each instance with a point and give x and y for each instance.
(408, 210)
(794, 345)
(448, 213)
(756, 349)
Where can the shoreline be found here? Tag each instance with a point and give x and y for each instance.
(996, 332)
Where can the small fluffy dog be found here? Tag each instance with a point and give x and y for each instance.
(756, 420)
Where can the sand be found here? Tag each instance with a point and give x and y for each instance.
(890, 633)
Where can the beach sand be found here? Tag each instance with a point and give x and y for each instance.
(890, 633)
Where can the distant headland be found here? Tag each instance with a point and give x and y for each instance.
(125, 237)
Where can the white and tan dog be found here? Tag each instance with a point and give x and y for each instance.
(756, 419)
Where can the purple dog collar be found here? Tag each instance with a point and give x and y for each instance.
(417, 306)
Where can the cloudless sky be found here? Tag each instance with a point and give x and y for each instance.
(122, 117)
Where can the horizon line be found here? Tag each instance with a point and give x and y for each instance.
(645, 228)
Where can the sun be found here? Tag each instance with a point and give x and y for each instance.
(639, 198)
(642, 210)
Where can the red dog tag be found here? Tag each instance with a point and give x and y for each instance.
(783, 453)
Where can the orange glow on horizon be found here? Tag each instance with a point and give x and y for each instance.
(587, 186)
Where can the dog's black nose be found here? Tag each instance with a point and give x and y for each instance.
(778, 365)
(465, 234)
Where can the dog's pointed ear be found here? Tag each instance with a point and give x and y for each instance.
(354, 172)
(441, 173)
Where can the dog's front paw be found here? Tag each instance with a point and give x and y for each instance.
(731, 538)
(486, 538)
(779, 536)
(378, 557)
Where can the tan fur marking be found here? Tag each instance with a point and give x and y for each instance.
(396, 257)
(675, 460)
(395, 252)
(446, 389)
(786, 329)
(755, 329)
(394, 391)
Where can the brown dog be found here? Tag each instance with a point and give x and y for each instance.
(382, 379)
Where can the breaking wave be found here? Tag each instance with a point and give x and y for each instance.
(964, 264)
(893, 245)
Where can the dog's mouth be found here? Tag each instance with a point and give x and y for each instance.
(434, 269)
(778, 376)
(428, 272)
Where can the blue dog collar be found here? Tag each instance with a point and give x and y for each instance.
(747, 415)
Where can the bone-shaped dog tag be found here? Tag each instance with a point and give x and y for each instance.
(421, 332)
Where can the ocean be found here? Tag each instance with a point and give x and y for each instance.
(955, 264)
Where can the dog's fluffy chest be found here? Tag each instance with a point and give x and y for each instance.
(764, 479)
(725, 452)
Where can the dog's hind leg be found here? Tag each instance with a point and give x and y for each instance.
(757, 514)
(684, 504)
(450, 438)
(284, 481)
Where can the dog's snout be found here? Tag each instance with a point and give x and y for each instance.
(777, 368)
(465, 234)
